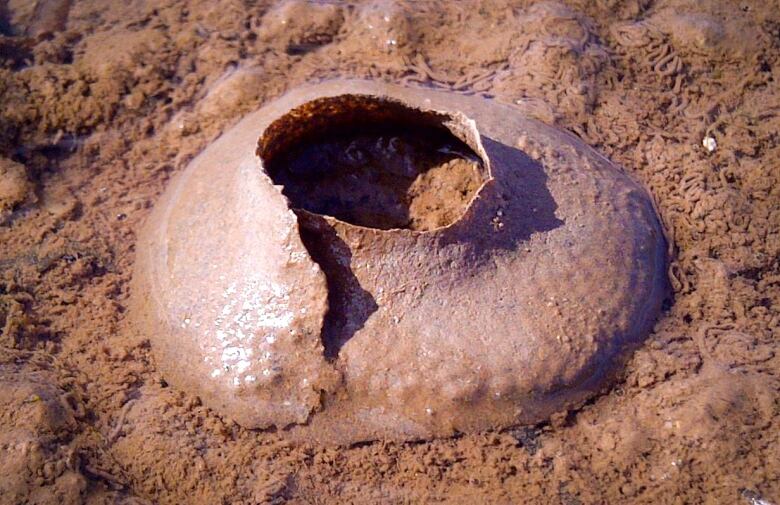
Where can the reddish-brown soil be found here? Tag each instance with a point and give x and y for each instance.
(102, 102)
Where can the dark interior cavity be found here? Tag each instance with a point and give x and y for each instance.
(372, 162)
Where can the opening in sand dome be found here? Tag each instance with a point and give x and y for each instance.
(372, 162)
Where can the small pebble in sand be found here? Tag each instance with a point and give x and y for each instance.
(709, 144)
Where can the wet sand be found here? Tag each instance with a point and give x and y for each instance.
(103, 102)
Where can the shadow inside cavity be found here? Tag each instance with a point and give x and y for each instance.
(349, 305)
(390, 177)
(510, 209)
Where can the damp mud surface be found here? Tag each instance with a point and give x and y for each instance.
(104, 102)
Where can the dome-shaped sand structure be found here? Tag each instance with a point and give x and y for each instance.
(359, 260)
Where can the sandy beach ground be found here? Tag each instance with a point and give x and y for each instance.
(102, 102)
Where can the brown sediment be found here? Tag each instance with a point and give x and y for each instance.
(15, 187)
(102, 108)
